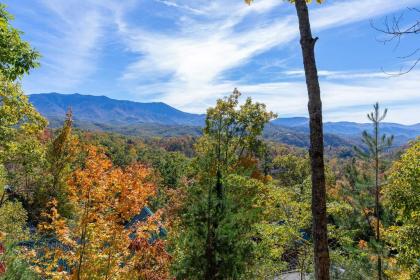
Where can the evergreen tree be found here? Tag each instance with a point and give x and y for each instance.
(214, 239)
(376, 144)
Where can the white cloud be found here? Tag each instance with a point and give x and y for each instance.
(70, 39)
(185, 65)
(182, 7)
(340, 13)
(345, 75)
(346, 101)
(185, 68)
(71, 46)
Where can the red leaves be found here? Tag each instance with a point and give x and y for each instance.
(152, 260)
(2, 268)
(2, 265)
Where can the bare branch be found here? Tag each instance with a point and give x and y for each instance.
(394, 31)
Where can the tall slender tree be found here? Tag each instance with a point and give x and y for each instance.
(375, 146)
(219, 212)
(61, 154)
(316, 150)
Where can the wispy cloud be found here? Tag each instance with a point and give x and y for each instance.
(185, 68)
(71, 40)
(179, 6)
(341, 75)
(188, 53)
(345, 101)
(74, 32)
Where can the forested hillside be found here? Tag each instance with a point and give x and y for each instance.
(95, 188)
(104, 110)
(100, 113)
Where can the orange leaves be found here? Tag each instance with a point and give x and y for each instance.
(97, 241)
(362, 244)
(132, 185)
(152, 260)
(109, 190)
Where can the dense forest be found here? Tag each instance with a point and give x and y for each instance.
(226, 203)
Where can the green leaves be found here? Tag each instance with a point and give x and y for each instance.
(16, 56)
(17, 116)
(232, 132)
(224, 198)
(402, 197)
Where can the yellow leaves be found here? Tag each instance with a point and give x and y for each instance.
(104, 198)
(18, 116)
(12, 222)
(111, 190)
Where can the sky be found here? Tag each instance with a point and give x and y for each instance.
(190, 53)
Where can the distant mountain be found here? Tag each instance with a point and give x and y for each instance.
(402, 133)
(159, 119)
(291, 136)
(101, 109)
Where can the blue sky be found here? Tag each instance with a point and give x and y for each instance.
(189, 53)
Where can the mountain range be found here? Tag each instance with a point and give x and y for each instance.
(159, 119)
(102, 109)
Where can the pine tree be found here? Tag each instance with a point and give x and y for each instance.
(376, 144)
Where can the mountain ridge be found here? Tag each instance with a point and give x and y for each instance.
(112, 111)
(104, 113)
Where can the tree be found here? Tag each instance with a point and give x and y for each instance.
(16, 56)
(20, 124)
(61, 154)
(350, 210)
(289, 213)
(96, 243)
(13, 229)
(16, 59)
(402, 197)
(21, 150)
(316, 149)
(231, 136)
(218, 216)
(19, 117)
(375, 146)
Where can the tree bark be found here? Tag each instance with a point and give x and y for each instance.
(316, 150)
(377, 214)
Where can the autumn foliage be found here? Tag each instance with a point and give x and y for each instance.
(100, 240)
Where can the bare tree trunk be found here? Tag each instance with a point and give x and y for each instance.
(377, 214)
(319, 209)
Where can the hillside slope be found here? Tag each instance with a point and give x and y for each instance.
(101, 109)
(353, 130)
(159, 119)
